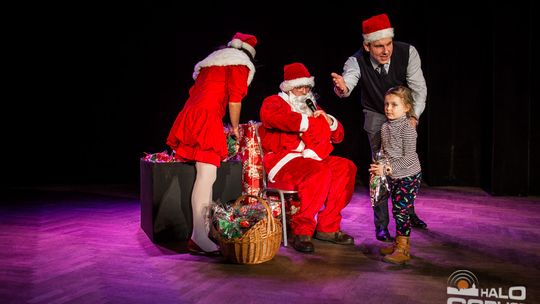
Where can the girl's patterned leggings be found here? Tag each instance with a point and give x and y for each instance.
(403, 191)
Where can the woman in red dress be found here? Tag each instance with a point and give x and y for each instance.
(221, 82)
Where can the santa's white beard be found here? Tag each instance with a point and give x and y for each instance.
(298, 103)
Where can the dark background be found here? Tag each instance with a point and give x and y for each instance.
(93, 86)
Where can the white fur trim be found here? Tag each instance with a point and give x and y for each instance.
(304, 124)
(308, 153)
(235, 43)
(225, 57)
(282, 162)
(239, 44)
(284, 95)
(385, 33)
(301, 147)
(249, 48)
(288, 85)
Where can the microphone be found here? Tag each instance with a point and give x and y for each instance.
(310, 105)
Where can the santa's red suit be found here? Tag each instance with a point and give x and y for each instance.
(221, 78)
(296, 152)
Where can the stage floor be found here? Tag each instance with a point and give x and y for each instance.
(67, 244)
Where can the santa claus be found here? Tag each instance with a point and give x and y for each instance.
(297, 137)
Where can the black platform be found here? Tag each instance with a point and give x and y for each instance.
(166, 196)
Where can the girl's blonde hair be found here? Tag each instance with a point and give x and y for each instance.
(405, 94)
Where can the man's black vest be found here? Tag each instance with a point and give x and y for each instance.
(372, 85)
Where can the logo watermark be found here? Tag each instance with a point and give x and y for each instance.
(463, 288)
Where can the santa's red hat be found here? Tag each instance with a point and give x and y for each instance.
(244, 41)
(377, 27)
(296, 75)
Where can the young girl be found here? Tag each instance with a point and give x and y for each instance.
(402, 167)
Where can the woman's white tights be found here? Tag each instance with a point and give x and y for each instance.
(201, 197)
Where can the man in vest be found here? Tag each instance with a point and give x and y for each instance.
(382, 63)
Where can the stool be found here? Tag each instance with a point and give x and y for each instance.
(281, 192)
(280, 189)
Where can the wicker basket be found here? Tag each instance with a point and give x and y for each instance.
(259, 244)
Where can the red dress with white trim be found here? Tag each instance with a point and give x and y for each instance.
(197, 133)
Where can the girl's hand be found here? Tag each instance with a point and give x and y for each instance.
(376, 169)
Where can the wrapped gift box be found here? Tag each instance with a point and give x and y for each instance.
(165, 196)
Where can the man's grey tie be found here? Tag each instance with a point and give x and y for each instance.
(382, 71)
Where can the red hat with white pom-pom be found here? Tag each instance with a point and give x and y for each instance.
(377, 27)
(296, 75)
(244, 41)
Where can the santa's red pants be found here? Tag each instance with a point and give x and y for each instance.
(324, 189)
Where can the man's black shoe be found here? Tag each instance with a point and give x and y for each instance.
(303, 243)
(416, 222)
(384, 236)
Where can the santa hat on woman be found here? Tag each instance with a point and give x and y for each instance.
(377, 27)
(296, 75)
(244, 41)
(231, 55)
